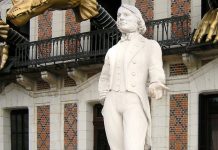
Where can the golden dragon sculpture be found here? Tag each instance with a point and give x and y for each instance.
(23, 10)
(4, 28)
(209, 25)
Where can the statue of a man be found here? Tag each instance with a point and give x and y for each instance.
(122, 84)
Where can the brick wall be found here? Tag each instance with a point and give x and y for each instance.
(178, 133)
(178, 69)
(69, 82)
(42, 85)
(43, 127)
(44, 32)
(71, 28)
(45, 25)
(70, 126)
(179, 102)
(180, 8)
(146, 7)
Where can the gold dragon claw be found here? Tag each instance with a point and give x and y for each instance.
(3, 29)
(208, 27)
(3, 55)
(23, 10)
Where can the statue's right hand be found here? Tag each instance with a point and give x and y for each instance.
(156, 90)
(3, 29)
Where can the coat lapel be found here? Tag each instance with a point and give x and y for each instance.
(136, 46)
(113, 54)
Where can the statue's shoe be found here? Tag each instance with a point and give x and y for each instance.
(23, 10)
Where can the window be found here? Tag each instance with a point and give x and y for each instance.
(19, 130)
(100, 140)
(208, 122)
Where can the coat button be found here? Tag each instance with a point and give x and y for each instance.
(133, 73)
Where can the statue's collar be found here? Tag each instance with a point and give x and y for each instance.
(129, 36)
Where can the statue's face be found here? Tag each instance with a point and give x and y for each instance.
(126, 21)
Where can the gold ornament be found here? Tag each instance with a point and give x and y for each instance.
(208, 26)
(3, 29)
(23, 10)
(3, 55)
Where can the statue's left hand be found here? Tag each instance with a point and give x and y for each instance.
(156, 89)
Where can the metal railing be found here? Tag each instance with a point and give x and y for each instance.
(73, 48)
(169, 32)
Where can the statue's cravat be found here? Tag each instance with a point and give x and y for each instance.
(128, 37)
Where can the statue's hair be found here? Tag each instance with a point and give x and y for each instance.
(137, 13)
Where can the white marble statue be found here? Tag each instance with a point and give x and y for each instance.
(122, 84)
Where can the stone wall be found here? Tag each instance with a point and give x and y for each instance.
(58, 119)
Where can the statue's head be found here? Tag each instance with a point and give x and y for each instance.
(129, 19)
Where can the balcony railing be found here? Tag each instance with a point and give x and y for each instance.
(170, 32)
(92, 46)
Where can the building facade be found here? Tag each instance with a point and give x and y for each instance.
(49, 100)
